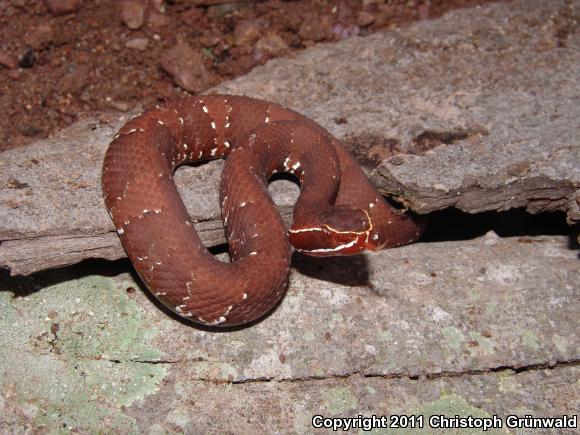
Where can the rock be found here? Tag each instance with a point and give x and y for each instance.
(61, 7)
(246, 33)
(364, 19)
(186, 67)
(469, 98)
(139, 43)
(159, 5)
(40, 36)
(8, 61)
(156, 21)
(133, 13)
(315, 28)
(271, 45)
(481, 327)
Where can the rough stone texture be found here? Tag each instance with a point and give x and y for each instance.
(469, 328)
(481, 327)
(485, 103)
(51, 207)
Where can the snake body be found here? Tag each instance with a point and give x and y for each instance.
(338, 211)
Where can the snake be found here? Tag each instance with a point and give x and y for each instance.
(338, 210)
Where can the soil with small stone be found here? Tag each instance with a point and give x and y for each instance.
(62, 59)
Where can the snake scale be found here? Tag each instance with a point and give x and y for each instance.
(338, 212)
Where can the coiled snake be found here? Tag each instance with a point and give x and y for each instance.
(338, 211)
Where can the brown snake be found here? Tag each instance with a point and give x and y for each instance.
(338, 211)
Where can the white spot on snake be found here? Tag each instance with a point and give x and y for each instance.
(226, 143)
(376, 236)
(371, 205)
(213, 125)
(215, 322)
(205, 109)
(118, 198)
(227, 124)
(184, 146)
(296, 165)
(274, 171)
(179, 309)
(116, 136)
(200, 154)
(286, 162)
(244, 296)
(158, 263)
(126, 222)
(335, 249)
(160, 122)
(120, 231)
(267, 119)
(253, 253)
(304, 230)
(161, 294)
(160, 174)
(213, 151)
(243, 204)
(187, 223)
(389, 222)
(180, 120)
(133, 130)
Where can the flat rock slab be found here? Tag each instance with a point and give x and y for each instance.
(52, 212)
(484, 327)
(485, 104)
(481, 327)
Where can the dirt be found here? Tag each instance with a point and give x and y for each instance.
(63, 59)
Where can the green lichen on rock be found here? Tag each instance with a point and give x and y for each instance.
(454, 336)
(449, 405)
(74, 352)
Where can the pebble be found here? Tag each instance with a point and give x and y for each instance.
(138, 43)
(157, 21)
(315, 28)
(158, 5)
(246, 33)
(133, 13)
(269, 46)
(364, 19)
(185, 66)
(345, 32)
(8, 61)
(40, 36)
(61, 7)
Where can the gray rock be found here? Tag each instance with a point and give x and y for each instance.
(484, 104)
(480, 327)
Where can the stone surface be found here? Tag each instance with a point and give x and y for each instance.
(484, 104)
(480, 327)
(51, 207)
(473, 328)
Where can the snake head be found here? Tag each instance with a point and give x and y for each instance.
(334, 231)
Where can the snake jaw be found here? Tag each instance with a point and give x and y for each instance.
(323, 240)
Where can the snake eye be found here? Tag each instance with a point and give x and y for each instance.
(331, 232)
